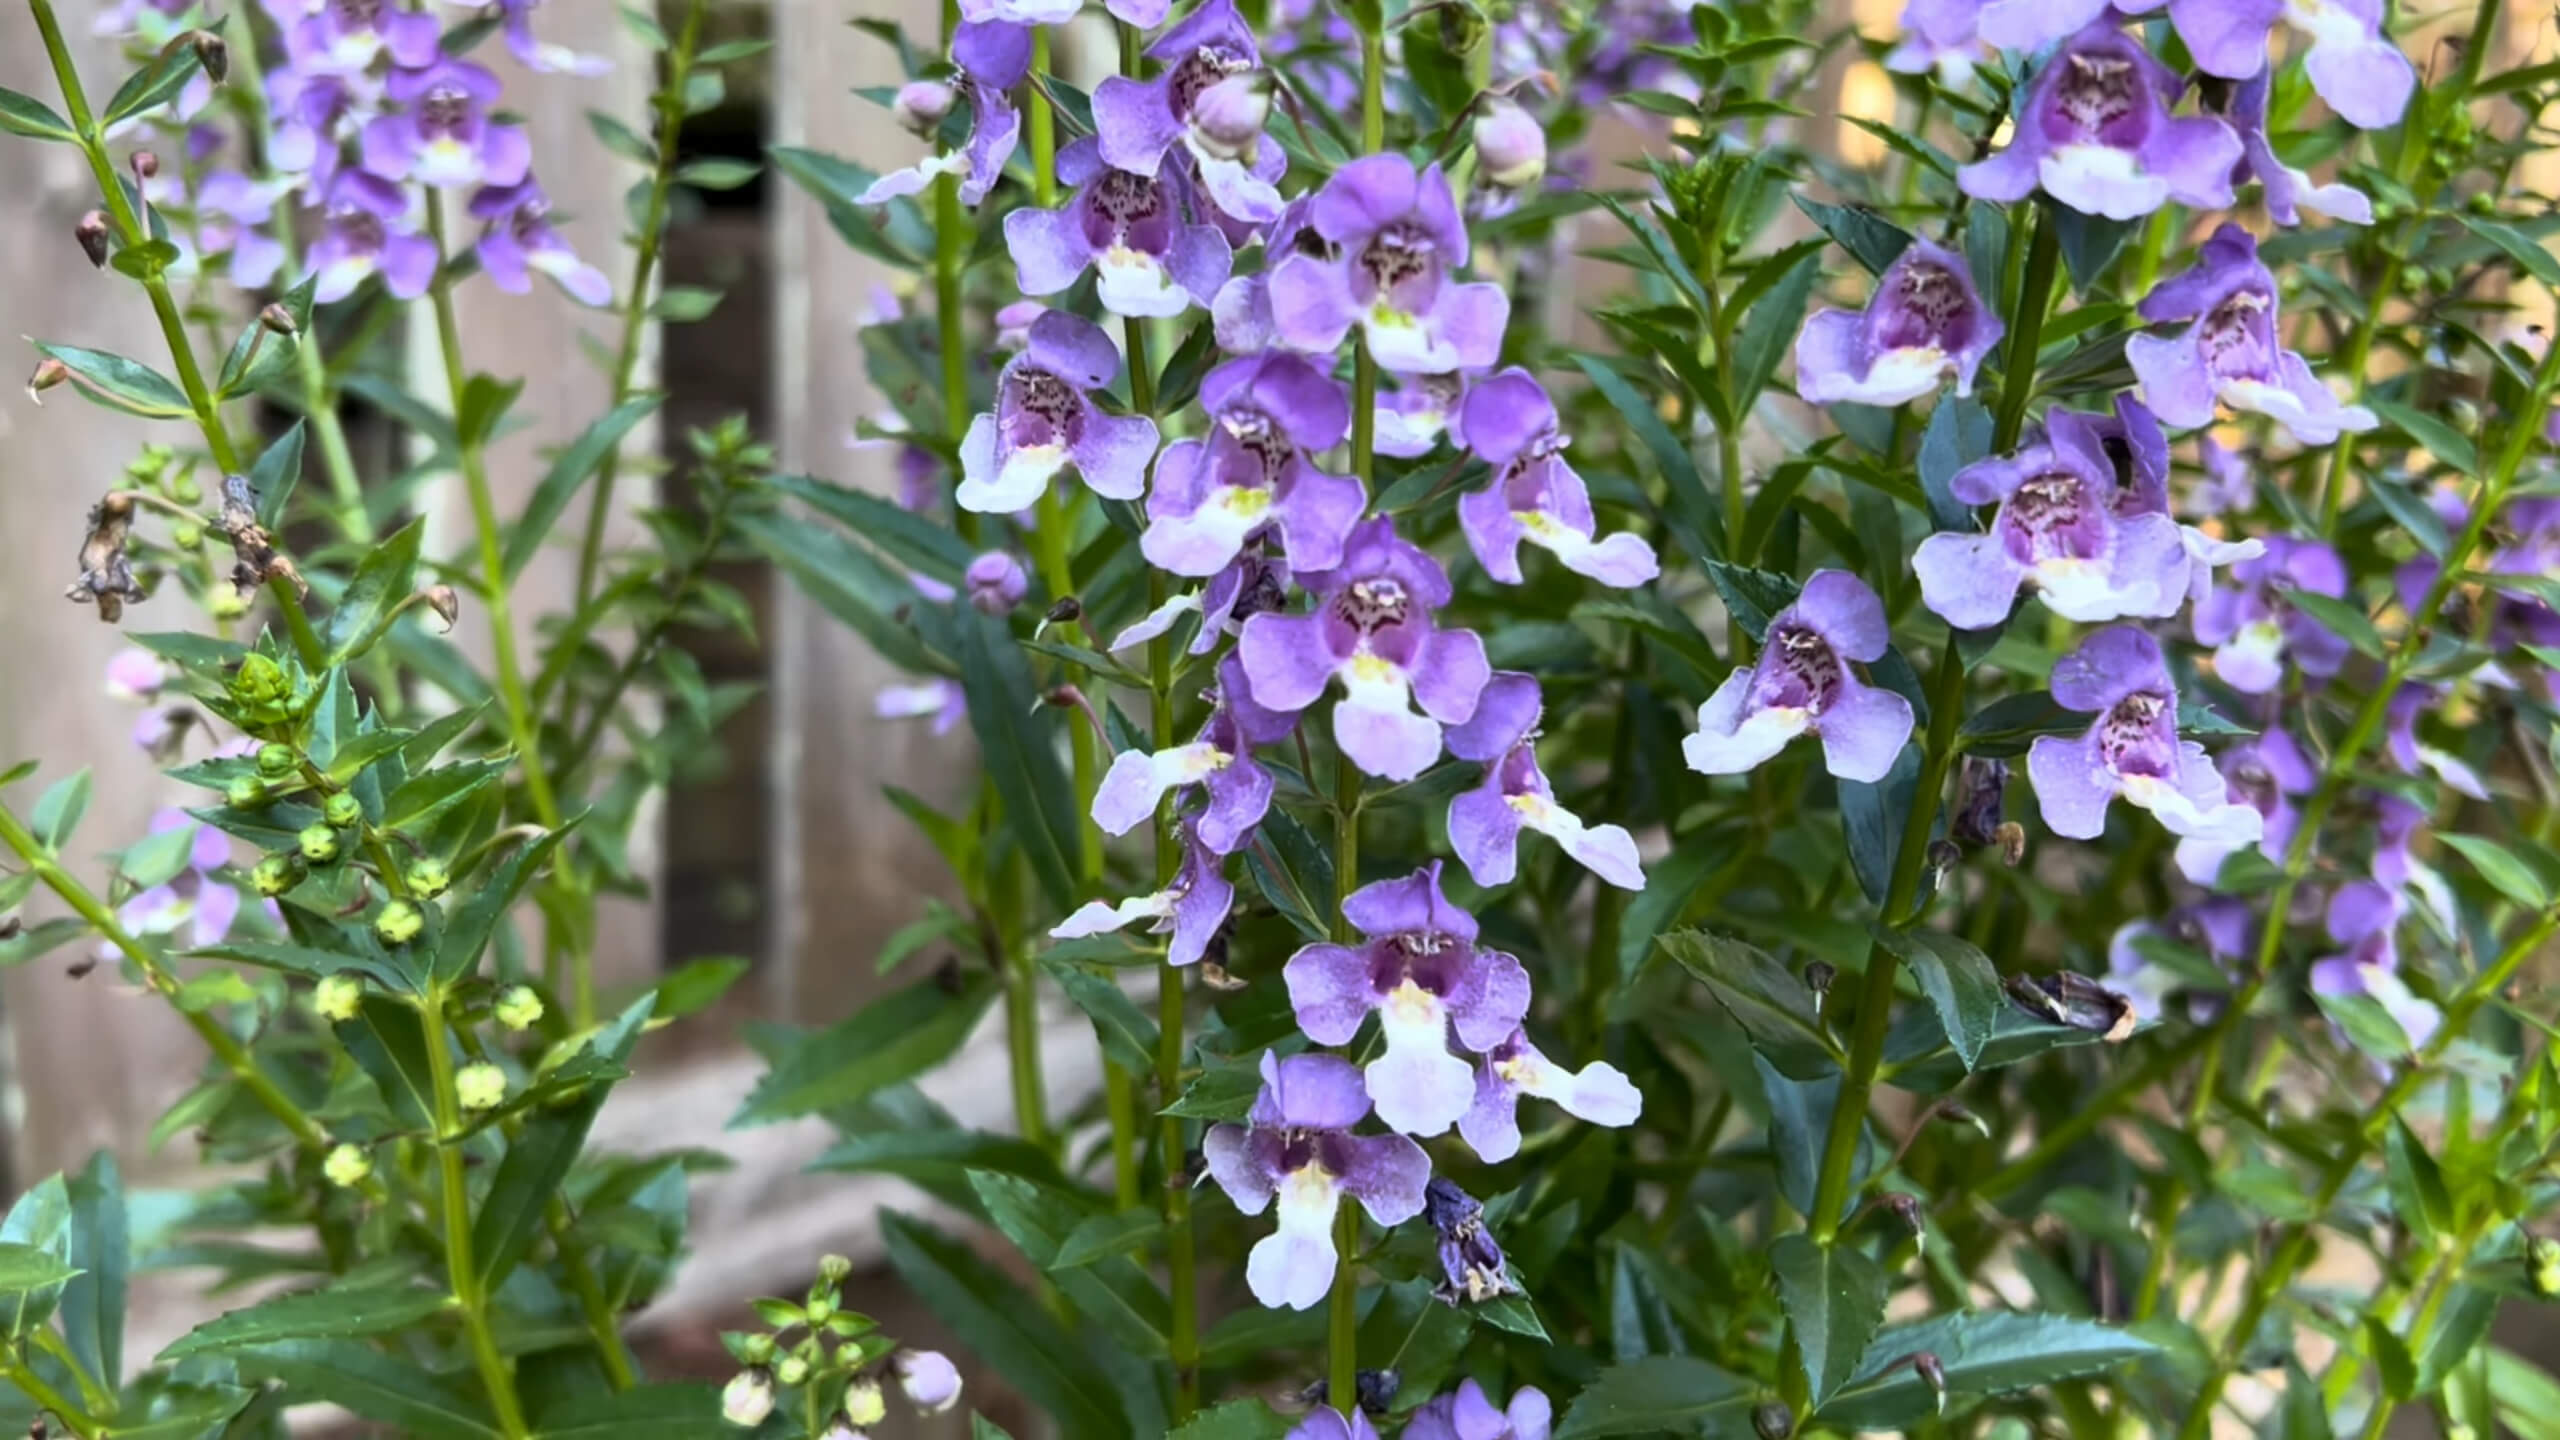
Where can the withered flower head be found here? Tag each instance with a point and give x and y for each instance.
(279, 320)
(256, 553)
(49, 373)
(210, 53)
(106, 572)
(92, 233)
(145, 164)
(446, 604)
(2068, 998)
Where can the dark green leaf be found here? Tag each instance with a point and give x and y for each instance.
(910, 539)
(1962, 985)
(1658, 1395)
(28, 116)
(277, 471)
(2417, 1186)
(2443, 441)
(1235, 1420)
(1222, 1092)
(846, 581)
(339, 1312)
(927, 1156)
(2089, 244)
(25, 1269)
(1958, 434)
(154, 84)
(1834, 1297)
(371, 1384)
(122, 384)
(539, 1157)
(2391, 1359)
(1008, 1330)
(2528, 253)
(648, 1412)
(386, 576)
(468, 930)
(1018, 748)
(568, 471)
(1871, 239)
(1765, 998)
(1109, 1290)
(1871, 820)
(1984, 1354)
(2500, 866)
(1755, 597)
(1126, 1033)
(1098, 1237)
(1771, 327)
(389, 1044)
(1696, 520)
(426, 796)
(483, 407)
(894, 1038)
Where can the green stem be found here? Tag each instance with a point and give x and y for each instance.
(644, 648)
(635, 300)
(2035, 296)
(2359, 352)
(49, 1401)
(1022, 1044)
(1342, 1321)
(130, 232)
(1040, 124)
(1120, 1104)
(521, 729)
(462, 1270)
(1181, 1263)
(602, 1324)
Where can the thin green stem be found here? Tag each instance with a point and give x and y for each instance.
(49, 1401)
(635, 299)
(2359, 353)
(521, 728)
(1022, 1045)
(603, 1326)
(461, 1268)
(2035, 296)
(1040, 124)
(1342, 1321)
(130, 232)
(1181, 1263)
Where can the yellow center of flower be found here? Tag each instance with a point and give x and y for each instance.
(1244, 502)
(1370, 669)
(1411, 1004)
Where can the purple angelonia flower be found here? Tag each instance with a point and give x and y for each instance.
(2222, 928)
(371, 228)
(1045, 420)
(1241, 314)
(1209, 99)
(996, 582)
(2412, 755)
(1471, 1265)
(1802, 684)
(519, 238)
(311, 114)
(2230, 483)
(2252, 628)
(1326, 1423)
(940, 699)
(1535, 496)
(1941, 37)
(2362, 917)
(1924, 323)
(2232, 352)
(540, 56)
(2094, 132)
(137, 675)
(1252, 584)
(1419, 968)
(345, 37)
(2058, 531)
(1269, 414)
(2352, 64)
(1142, 14)
(193, 898)
(1129, 230)
(1296, 1147)
(1467, 1414)
(445, 138)
(2288, 191)
(2132, 750)
(2265, 774)
(2397, 825)
(1485, 823)
(1372, 628)
(1194, 907)
(233, 213)
(1399, 240)
(992, 57)
(1599, 1092)
(1416, 411)
(1220, 761)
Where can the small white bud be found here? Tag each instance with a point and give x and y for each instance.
(921, 104)
(930, 1380)
(747, 1399)
(1511, 149)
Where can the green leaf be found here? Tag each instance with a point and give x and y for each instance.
(2417, 1186)
(2412, 514)
(2343, 618)
(122, 384)
(2391, 1362)
(1771, 327)
(1984, 1354)
(1235, 1420)
(845, 581)
(28, 116)
(895, 1038)
(648, 1412)
(1695, 518)
(427, 795)
(2498, 865)
(338, 1312)
(697, 986)
(1125, 1031)
(1962, 984)
(371, 1384)
(2007, 726)
(1871, 239)
(1834, 1297)
(154, 859)
(59, 808)
(1755, 597)
(568, 471)
(2443, 441)
(468, 930)
(1222, 1092)
(684, 304)
(385, 577)
(1018, 749)
(39, 1220)
(2527, 252)
(1658, 1395)
(937, 1156)
(272, 478)
(1098, 1237)
(389, 1044)
(2089, 245)
(147, 261)
(25, 1271)
(1765, 998)
(539, 1157)
(1005, 1328)
(93, 1303)
(154, 84)
(1109, 1290)
(909, 538)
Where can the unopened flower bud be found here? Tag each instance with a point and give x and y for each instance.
(1511, 149)
(1818, 978)
(1066, 611)
(2544, 1256)
(791, 1370)
(145, 165)
(2459, 1431)
(1013, 324)
(446, 604)
(747, 1399)
(833, 1268)
(930, 1380)
(212, 54)
(920, 105)
(185, 537)
(996, 582)
(226, 603)
(343, 810)
(185, 490)
(49, 373)
(1228, 117)
(518, 1009)
(480, 1086)
(347, 1166)
(1932, 1373)
(1772, 1421)
(277, 761)
(756, 1349)
(92, 233)
(318, 843)
(275, 875)
(864, 1404)
(338, 997)
(1906, 1209)
(399, 923)
(279, 320)
(247, 792)
(427, 879)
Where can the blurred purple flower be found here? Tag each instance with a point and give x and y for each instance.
(1399, 240)
(2265, 774)
(194, 897)
(2352, 64)
(1802, 684)
(996, 582)
(518, 237)
(2230, 482)
(1045, 420)
(2362, 917)
(2094, 132)
(345, 37)
(2233, 351)
(992, 57)
(1467, 1414)
(940, 697)
(2288, 191)
(2132, 750)
(1535, 496)
(1925, 323)
(2254, 630)
(1326, 1423)
(2414, 756)
(1372, 628)
(1485, 823)
(1420, 970)
(371, 228)
(1194, 907)
(445, 137)
(1296, 1147)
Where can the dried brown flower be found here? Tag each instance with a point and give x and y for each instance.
(106, 572)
